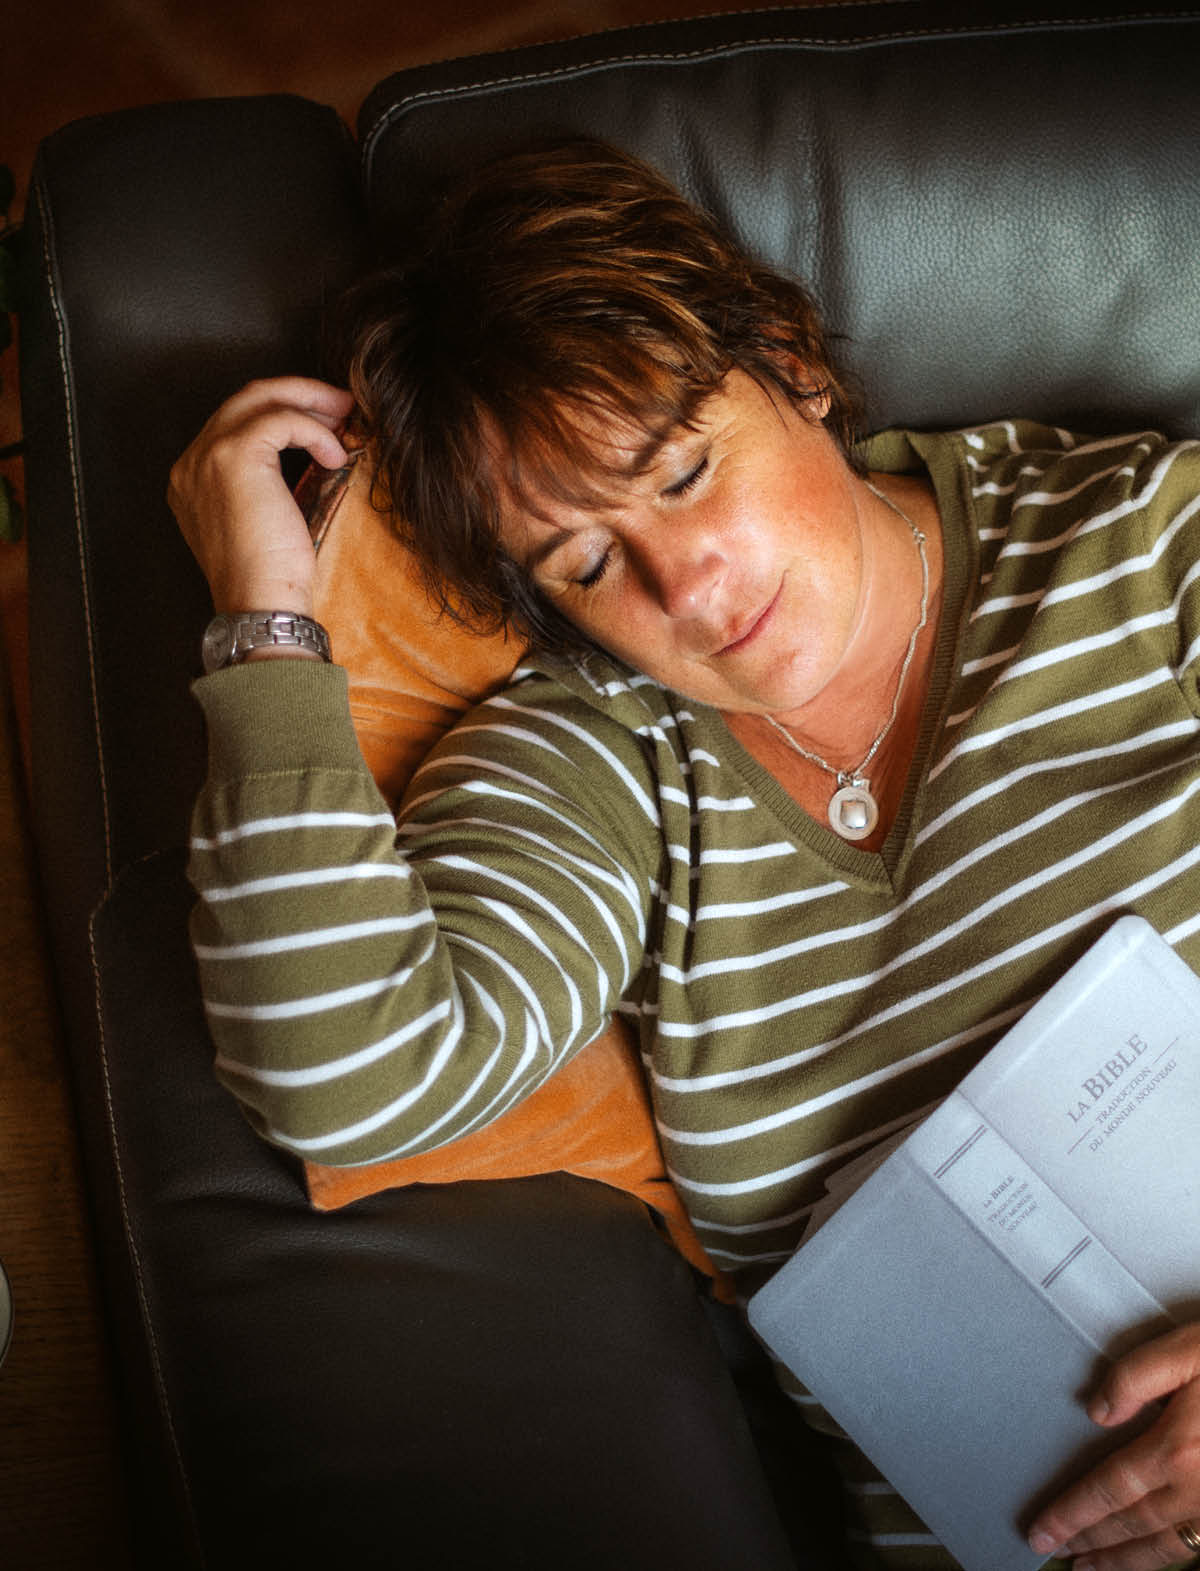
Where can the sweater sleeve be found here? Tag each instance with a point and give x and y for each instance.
(373, 993)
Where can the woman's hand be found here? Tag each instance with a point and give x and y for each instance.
(231, 500)
(1122, 1515)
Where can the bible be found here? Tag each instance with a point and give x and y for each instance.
(952, 1305)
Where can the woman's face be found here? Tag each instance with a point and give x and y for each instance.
(731, 570)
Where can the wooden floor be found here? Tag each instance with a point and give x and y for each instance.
(60, 1495)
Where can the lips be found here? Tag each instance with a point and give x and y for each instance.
(750, 629)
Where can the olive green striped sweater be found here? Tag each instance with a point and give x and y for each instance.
(587, 842)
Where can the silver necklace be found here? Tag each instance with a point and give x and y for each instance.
(853, 812)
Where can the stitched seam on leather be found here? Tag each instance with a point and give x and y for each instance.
(48, 255)
(160, 1383)
(650, 22)
(736, 46)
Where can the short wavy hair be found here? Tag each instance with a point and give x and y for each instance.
(557, 287)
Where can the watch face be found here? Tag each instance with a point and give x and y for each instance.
(218, 644)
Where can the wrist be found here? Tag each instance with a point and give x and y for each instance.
(234, 636)
(295, 599)
(280, 652)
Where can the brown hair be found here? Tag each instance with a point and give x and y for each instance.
(556, 285)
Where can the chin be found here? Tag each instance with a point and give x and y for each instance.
(783, 698)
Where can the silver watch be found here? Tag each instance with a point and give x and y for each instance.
(230, 637)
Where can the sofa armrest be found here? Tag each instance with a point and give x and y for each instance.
(511, 1373)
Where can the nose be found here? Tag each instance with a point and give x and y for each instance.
(684, 573)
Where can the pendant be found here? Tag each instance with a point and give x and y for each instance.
(853, 811)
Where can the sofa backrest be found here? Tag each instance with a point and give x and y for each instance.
(999, 213)
(998, 209)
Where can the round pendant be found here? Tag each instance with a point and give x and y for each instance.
(852, 811)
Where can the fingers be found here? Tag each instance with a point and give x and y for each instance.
(1151, 1553)
(279, 413)
(233, 505)
(1122, 1515)
(1140, 1491)
(1152, 1516)
(1103, 1499)
(320, 399)
(1149, 1372)
(302, 392)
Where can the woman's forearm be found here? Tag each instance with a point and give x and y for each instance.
(356, 1016)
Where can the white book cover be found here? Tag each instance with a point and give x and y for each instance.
(953, 1311)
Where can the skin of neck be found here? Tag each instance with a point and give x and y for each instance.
(845, 745)
(844, 718)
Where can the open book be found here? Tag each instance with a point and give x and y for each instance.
(953, 1310)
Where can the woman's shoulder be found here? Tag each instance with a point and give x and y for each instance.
(1006, 471)
(601, 691)
(1079, 481)
(590, 719)
(556, 743)
(1027, 449)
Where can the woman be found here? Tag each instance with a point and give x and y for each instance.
(805, 729)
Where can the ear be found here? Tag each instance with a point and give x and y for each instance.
(808, 386)
(820, 404)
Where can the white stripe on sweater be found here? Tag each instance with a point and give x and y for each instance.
(311, 938)
(1044, 717)
(971, 919)
(582, 734)
(346, 1064)
(1112, 905)
(322, 1003)
(287, 821)
(307, 878)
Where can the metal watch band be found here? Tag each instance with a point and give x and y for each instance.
(231, 636)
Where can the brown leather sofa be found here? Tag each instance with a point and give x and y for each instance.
(999, 208)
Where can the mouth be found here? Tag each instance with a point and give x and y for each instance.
(750, 630)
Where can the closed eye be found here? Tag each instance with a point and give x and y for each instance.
(681, 487)
(593, 576)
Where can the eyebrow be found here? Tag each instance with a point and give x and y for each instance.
(546, 550)
(643, 459)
